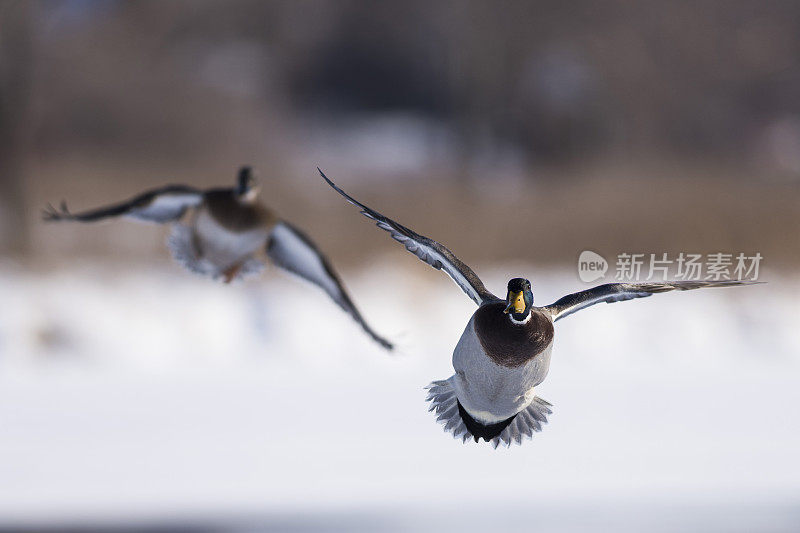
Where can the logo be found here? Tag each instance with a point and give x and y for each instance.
(637, 267)
(591, 266)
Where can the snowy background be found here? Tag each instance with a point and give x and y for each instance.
(134, 395)
(142, 397)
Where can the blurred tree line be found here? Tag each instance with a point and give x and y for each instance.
(555, 78)
(558, 81)
(16, 35)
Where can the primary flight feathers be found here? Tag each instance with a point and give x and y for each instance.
(165, 204)
(620, 292)
(430, 251)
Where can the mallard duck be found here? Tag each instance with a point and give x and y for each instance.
(504, 352)
(228, 235)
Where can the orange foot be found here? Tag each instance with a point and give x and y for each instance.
(231, 272)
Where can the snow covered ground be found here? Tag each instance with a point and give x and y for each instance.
(148, 395)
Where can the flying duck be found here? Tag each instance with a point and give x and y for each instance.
(227, 235)
(504, 352)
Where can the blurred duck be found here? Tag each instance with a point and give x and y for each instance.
(504, 352)
(228, 235)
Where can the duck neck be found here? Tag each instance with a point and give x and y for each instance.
(519, 322)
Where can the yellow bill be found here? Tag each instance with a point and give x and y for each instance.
(516, 302)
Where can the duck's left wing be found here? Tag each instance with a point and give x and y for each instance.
(619, 292)
(292, 250)
(430, 251)
(166, 204)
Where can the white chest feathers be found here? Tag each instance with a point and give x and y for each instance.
(489, 391)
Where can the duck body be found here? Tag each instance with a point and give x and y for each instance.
(498, 362)
(227, 231)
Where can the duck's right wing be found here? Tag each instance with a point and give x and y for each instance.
(295, 252)
(166, 204)
(620, 292)
(430, 251)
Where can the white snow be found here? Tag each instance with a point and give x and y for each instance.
(144, 393)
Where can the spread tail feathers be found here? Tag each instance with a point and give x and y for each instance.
(449, 412)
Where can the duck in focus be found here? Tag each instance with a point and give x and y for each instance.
(227, 233)
(504, 352)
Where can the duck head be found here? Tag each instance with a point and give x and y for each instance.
(246, 188)
(519, 300)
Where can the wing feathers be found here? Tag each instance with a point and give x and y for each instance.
(166, 204)
(620, 292)
(428, 250)
(292, 250)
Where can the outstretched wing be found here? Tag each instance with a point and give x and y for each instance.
(166, 204)
(292, 250)
(430, 251)
(619, 292)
